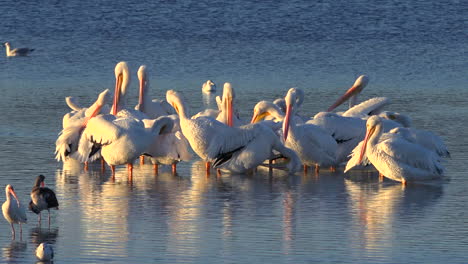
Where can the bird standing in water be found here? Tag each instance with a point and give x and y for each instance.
(12, 210)
(42, 198)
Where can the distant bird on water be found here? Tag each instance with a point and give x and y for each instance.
(12, 210)
(45, 252)
(16, 52)
(42, 198)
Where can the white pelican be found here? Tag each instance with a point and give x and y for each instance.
(16, 52)
(42, 198)
(314, 145)
(227, 112)
(396, 158)
(74, 123)
(121, 140)
(13, 210)
(209, 87)
(363, 110)
(153, 108)
(167, 148)
(122, 80)
(237, 149)
(45, 252)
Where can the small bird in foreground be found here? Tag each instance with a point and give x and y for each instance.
(45, 252)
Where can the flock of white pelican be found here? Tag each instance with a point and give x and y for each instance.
(277, 135)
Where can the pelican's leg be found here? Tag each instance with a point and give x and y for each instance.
(12, 231)
(48, 211)
(85, 165)
(103, 165)
(155, 168)
(317, 168)
(207, 166)
(174, 168)
(39, 218)
(332, 168)
(218, 172)
(142, 160)
(305, 169)
(381, 176)
(404, 182)
(113, 170)
(21, 231)
(130, 171)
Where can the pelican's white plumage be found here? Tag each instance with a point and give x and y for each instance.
(209, 87)
(314, 145)
(16, 52)
(426, 139)
(13, 211)
(74, 123)
(122, 139)
(235, 149)
(396, 158)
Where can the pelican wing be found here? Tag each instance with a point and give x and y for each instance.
(405, 152)
(372, 106)
(228, 139)
(354, 158)
(99, 131)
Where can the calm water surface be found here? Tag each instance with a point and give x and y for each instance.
(414, 52)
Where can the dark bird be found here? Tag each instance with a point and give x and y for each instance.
(42, 198)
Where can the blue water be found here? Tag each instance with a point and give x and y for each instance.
(413, 51)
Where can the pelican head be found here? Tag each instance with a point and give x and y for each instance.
(373, 126)
(175, 99)
(6, 44)
(45, 252)
(263, 109)
(96, 108)
(352, 92)
(122, 78)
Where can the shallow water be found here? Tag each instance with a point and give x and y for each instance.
(414, 53)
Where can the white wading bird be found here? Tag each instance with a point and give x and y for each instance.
(395, 157)
(314, 145)
(236, 149)
(16, 52)
(209, 87)
(13, 210)
(167, 148)
(367, 108)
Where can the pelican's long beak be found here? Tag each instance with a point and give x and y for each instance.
(142, 94)
(95, 113)
(354, 90)
(118, 87)
(229, 111)
(286, 121)
(12, 191)
(369, 133)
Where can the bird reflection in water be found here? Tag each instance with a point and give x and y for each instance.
(39, 235)
(14, 251)
(376, 206)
